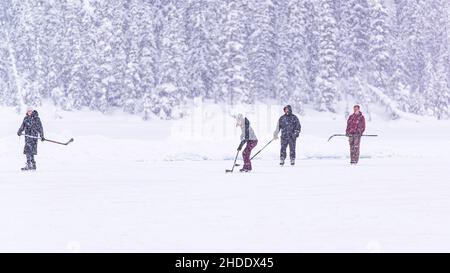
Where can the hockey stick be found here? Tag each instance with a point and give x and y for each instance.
(347, 136)
(234, 164)
(237, 165)
(52, 141)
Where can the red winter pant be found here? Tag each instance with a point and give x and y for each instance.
(354, 148)
(246, 153)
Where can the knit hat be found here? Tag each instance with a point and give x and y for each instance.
(30, 108)
(239, 119)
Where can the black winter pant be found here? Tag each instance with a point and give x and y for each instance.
(285, 142)
(30, 159)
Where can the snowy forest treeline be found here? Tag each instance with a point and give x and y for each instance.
(152, 57)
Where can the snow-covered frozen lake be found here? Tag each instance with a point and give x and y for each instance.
(127, 185)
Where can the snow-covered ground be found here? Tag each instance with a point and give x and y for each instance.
(129, 185)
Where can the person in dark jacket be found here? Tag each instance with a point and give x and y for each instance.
(247, 137)
(290, 128)
(356, 125)
(32, 129)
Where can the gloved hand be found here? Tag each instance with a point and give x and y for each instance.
(275, 136)
(19, 134)
(241, 145)
(42, 139)
(297, 133)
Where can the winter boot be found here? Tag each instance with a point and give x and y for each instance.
(292, 162)
(282, 162)
(27, 167)
(243, 170)
(33, 166)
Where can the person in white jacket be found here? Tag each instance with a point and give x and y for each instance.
(247, 137)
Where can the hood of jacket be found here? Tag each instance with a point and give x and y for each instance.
(35, 114)
(289, 109)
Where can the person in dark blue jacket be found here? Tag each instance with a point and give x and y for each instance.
(290, 128)
(32, 127)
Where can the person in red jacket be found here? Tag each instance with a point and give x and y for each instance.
(356, 124)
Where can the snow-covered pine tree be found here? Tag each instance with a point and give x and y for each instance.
(88, 52)
(234, 67)
(297, 62)
(261, 50)
(380, 58)
(76, 87)
(5, 90)
(353, 46)
(40, 56)
(312, 43)
(132, 25)
(439, 103)
(217, 17)
(347, 62)
(22, 37)
(409, 56)
(327, 53)
(283, 87)
(62, 73)
(8, 82)
(361, 29)
(101, 79)
(435, 36)
(212, 57)
(54, 53)
(198, 42)
(171, 89)
(398, 86)
(148, 61)
(117, 89)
